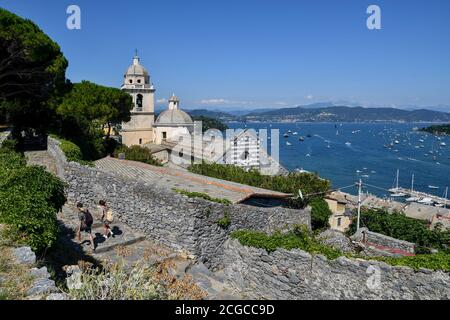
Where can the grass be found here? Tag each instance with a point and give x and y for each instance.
(202, 196)
(15, 279)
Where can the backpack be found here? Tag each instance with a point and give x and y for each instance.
(88, 219)
(109, 216)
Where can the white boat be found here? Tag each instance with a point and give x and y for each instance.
(398, 195)
(433, 187)
(288, 144)
(412, 199)
(295, 133)
(395, 189)
(308, 155)
(426, 201)
(443, 144)
(439, 205)
(348, 144)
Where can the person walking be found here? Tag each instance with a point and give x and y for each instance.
(107, 218)
(85, 224)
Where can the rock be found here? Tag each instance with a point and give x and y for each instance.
(41, 273)
(337, 240)
(73, 280)
(42, 286)
(57, 296)
(24, 255)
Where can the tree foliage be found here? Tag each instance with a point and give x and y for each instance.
(87, 114)
(32, 72)
(320, 214)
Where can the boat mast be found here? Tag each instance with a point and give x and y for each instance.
(446, 194)
(412, 184)
(398, 173)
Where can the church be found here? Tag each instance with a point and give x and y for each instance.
(142, 129)
(164, 137)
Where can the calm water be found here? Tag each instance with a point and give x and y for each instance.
(327, 153)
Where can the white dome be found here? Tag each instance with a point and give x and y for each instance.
(174, 117)
(136, 69)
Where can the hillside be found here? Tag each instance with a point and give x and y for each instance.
(332, 114)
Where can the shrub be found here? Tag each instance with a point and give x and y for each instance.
(438, 261)
(202, 196)
(225, 222)
(30, 198)
(137, 153)
(299, 238)
(320, 214)
(399, 226)
(9, 144)
(308, 183)
(71, 150)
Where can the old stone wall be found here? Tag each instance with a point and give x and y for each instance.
(296, 274)
(365, 236)
(167, 217)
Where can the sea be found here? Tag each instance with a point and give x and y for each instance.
(373, 152)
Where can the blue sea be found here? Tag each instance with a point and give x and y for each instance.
(347, 152)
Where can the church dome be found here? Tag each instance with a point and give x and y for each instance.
(136, 69)
(174, 117)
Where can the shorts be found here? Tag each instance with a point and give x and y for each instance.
(107, 223)
(87, 230)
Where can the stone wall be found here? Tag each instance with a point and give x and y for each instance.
(363, 235)
(297, 274)
(166, 216)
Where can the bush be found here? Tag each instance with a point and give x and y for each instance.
(30, 198)
(299, 238)
(225, 222)
(399, 226)
(137, 153)
(320, 214)
(71, 150)
(308, 183)
(202, 195)
(9, 144)
(438, 261)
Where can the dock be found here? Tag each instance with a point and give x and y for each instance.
(422, 195)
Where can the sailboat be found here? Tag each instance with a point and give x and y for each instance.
(412, 198)
(395, 190)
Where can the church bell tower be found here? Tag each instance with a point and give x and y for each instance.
(139, 130)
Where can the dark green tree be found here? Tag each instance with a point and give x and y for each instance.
(87, 114)
(32, 73)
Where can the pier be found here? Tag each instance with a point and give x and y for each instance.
(423, 195)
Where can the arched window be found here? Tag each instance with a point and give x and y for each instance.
(139, 99)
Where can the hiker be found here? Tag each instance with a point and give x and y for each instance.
(86, 221)
(107, 218)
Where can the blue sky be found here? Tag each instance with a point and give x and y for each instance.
(257, 53)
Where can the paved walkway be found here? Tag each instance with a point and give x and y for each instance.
(182, 179)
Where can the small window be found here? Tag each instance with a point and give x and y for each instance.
(140, 141)
(131, 81)
(339, 221)
(139, 80)
(164, 135)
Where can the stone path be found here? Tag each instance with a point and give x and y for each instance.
(130, 246)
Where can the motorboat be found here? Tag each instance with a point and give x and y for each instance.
(433, 187)
(428, 201)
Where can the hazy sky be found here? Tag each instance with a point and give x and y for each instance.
(257, 53)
